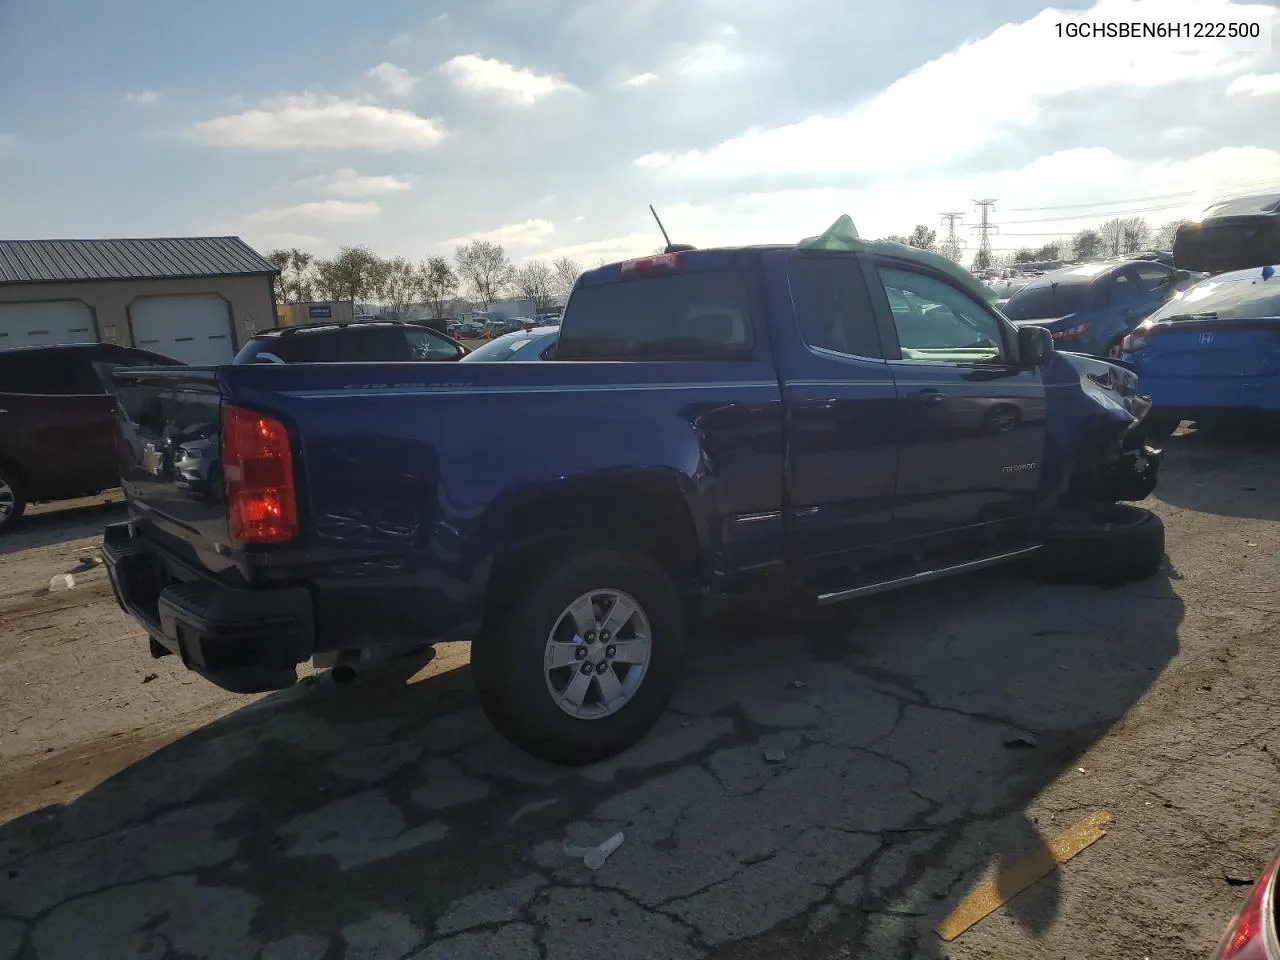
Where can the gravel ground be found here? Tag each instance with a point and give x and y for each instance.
(821, 790)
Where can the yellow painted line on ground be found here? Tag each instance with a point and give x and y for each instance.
(1010, 880)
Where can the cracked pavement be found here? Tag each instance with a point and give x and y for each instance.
(823, 787)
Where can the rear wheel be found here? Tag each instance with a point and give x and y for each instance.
(12, 501)
(583, 663)
(1107, 544)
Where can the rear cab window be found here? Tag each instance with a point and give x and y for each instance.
(671, 310)
(1048, 301)
(53, 373)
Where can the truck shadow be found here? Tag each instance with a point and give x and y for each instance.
(55, 523)
(820, 785)
(1224, 469)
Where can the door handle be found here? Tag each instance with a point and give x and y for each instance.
(927, 397)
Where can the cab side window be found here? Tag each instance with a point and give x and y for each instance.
(832, 307)
(427, 345)
(939, 323)
(1155, 279)
(1122, 289)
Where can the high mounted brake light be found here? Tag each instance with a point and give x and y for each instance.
(662, 263)
(257, 464)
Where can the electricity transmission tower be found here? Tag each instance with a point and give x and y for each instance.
(983, 260)
(952, 246)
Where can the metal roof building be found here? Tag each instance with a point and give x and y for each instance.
(196, 299)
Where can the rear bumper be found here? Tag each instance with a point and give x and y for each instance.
(245, 641)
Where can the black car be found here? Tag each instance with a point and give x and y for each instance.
(364, 341)
(1236, 234)
(57, 421)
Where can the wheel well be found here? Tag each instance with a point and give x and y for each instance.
(13, 470)
(648, 514)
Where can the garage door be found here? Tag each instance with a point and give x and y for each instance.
(192, 329)
(40, 323)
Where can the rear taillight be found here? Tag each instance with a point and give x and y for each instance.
(1251, 935)
(257, 464)
(1134, 342)
(1071, 333)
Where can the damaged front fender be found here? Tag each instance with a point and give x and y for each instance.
(1093, 437)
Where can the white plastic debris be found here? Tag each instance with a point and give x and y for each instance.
(775, 756)
(594, 857)
(63, 581)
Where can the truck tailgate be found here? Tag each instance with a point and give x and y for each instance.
(169, 450)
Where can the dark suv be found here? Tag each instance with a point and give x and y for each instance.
(57, 422)
(365, 341)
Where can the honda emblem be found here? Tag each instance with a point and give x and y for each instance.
(1206, 338)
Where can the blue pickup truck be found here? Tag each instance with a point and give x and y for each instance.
(715, 424)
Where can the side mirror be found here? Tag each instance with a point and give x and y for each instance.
(1182, 276)
(1034, 346)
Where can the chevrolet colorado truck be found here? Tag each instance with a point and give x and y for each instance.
(714, 424)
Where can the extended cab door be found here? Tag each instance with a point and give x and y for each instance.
(842, 412)
(972, 422)
(56, 422)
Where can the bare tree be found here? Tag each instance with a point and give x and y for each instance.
(299, 261)
(399, 284)
(1112, 234)
(485, 268)
(567, 271)
(1164, 237)
(538, 281)
(354, 274)
(1087, 244)
(439, 284)
(327, 278)
(1136, 233)
(280, 260)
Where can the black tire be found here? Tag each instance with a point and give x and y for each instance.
(507, 659)
(13, 501)
(1159, 426)
(1108, 545)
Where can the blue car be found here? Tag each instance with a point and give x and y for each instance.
(1089, 308)
(1214, 348)
(536, 344)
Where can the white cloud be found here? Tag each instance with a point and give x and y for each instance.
(350, 184)
(307, 121)
(883, 135)
(1254, 84)
(640, 80)
(609, 250)
(398, 81)
(893, 204)
(712, 57)
(508, 84)
(314, 211)
(144, 98)
(530, 233)
(400, 40)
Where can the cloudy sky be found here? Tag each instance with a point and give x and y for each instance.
(549, 125)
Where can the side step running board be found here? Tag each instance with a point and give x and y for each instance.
(924, 576)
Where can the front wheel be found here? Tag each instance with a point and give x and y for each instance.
(583, 663)
(1106, 544)
(12, 501)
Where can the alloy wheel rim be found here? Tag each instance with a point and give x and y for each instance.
(7, 500)
(597, 654)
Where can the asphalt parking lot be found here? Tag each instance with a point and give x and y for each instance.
(819, 789)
